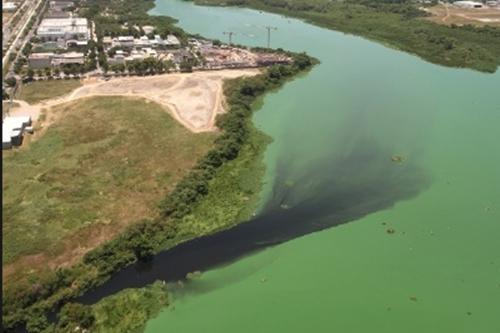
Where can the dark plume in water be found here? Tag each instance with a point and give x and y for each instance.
(333, 191)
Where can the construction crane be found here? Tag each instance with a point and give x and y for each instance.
(230, 33)
(269, 35)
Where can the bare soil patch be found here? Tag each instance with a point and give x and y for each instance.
(448, 14)
(181, 93)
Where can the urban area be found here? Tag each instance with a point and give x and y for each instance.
(48, 40)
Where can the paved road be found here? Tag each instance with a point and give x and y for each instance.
(31, 13)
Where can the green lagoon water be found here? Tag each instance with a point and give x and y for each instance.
(335, 130)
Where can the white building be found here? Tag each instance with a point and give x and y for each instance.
(68, 58)
(148, 29)
(13, 130)
(143, 41)
(173, 41)
(123, 41)
(65, 28)
(493, 3)
(9, 6)
(468, 4)
(60, 4)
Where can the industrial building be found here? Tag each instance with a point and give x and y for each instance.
(468, 4)
(493, 3)
(60, 5)
(13, 129)
(43, 60)
(40, 60)
(68, 58)
(143, 41)
(53, 13)
(64, 28)
(9, 6)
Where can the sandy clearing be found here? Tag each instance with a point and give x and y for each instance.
(448, 14)
(194, 99)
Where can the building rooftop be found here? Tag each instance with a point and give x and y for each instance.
(12, 126)
(41, 55)
(56, 26)
(9, 5)
(70, 55)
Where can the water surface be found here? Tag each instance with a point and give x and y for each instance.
(335, 131)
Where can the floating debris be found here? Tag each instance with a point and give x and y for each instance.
(383, 223)
(397, 159)
(193, 275)
(284, 206)
(263, 280)
(390, 231)
(469, 313)
(413, 299)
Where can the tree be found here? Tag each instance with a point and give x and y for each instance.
(36, 321)
(186, 66)
(27, 49)
(10, 81)
(75, 314)
(30, 73)
(302, 61)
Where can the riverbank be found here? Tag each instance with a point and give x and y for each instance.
(399, 25)
(221, 186)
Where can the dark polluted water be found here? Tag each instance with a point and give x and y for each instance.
(309, 205)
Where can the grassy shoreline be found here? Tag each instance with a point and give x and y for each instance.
(462, 47)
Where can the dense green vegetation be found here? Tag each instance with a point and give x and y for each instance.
(397, 23)
(113, 315)
(223, 185)
(127, 17)
(110, 315)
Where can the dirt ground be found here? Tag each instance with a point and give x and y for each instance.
(194, 99)
(448, 14)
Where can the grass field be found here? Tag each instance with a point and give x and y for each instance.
(103, 165)
(35, 92)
